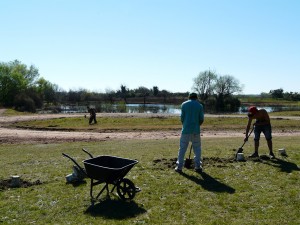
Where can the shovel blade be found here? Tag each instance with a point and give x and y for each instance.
(188, 163)
(240, 150)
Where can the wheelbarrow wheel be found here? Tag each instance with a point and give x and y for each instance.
(126, 189)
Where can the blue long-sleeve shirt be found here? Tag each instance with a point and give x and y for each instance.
(192, 116)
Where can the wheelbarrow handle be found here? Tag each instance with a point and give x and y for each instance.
(73, 160)
(83, 149)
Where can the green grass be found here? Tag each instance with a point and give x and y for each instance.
(147, 124)
(269, 101)
(12, 112)
(251, 192)
(286, 113)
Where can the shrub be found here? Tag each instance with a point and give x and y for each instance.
(24, 103)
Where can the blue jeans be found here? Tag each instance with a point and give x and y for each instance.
(184, 142)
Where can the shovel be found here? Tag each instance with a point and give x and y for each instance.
(188, 161)
(240, 150)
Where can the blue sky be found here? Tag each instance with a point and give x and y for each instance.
(99, 45)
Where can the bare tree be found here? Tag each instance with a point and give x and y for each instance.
(217, 91)
(204, 84)
(227, 85)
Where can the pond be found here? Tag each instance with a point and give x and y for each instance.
(153, 108)
(124, 108)
(156, 108)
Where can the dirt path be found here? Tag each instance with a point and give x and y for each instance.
(8, 135)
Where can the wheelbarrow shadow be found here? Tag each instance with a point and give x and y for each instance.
(77, 183)
(283, 165)
(115, 209)
(209, 183)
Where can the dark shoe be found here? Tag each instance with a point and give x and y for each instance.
(254, 155)
(271, 155)
(178, 170)
(198, 170)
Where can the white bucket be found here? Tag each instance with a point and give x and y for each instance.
(15, 181)
(240, 157)
(69, 178)
(282, 151)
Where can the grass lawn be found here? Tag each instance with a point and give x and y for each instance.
(228, 192)
(111, 124)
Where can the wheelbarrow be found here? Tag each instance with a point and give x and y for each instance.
(108, 170)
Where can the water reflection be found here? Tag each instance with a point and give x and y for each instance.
(123, 108)
(153, 108)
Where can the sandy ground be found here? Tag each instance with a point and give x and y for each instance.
(8, 135)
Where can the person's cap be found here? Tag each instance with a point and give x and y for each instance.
(252, 110)
(193, 95)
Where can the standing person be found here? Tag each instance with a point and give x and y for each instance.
(192, 117)
(92, 115)
(262, 124)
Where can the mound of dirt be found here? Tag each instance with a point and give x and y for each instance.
(207, 161)
(165, 163)
(6, 184)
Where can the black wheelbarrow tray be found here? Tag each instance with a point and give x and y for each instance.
(109, 170)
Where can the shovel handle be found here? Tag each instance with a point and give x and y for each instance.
(248, 137)
(190, 151)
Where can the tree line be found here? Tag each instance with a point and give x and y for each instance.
(22, 88)
(280, 94)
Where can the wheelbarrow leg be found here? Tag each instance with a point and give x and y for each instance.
(105, 187)
(91, 192)
(115, 185)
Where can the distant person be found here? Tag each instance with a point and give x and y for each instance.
(92, 112)
(262, 124)
(192, 117)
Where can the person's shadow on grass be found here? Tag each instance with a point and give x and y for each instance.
(115, 209)
(283, 165)
(209, 183)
